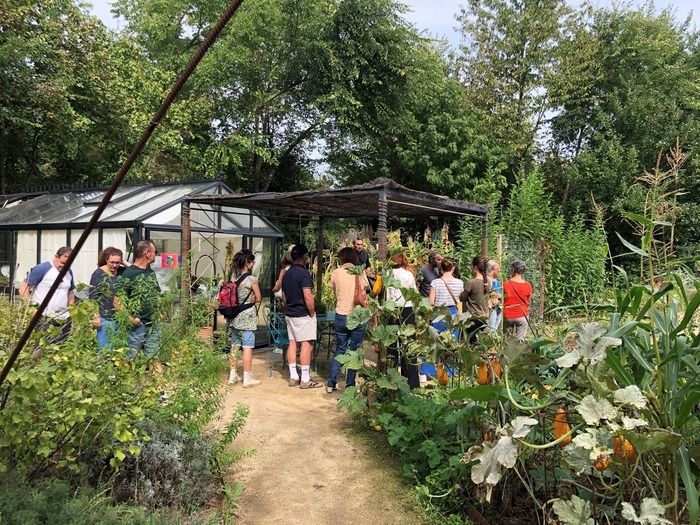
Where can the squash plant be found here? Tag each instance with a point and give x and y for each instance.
(632, 386)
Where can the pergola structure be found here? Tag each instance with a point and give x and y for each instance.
(381, 198)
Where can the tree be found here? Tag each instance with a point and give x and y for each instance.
(54, 112)
(506, 67)
(625, 90)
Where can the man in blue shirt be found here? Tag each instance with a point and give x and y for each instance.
(37, 286)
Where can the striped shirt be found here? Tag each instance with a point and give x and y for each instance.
(442, 295)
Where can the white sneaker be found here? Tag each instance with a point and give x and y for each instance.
(232, 380)
(251, 382)
(277, 350)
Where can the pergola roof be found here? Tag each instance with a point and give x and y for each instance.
(353, 201)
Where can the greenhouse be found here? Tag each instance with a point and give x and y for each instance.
(34, 225)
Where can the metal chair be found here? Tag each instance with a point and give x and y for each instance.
(277, 329)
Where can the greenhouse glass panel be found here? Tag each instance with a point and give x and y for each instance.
(171, 217)
(203, 219)
(154, 199)
(46, 209)
(86, 261)
(261, 225)
(25, 254)
(121, 192)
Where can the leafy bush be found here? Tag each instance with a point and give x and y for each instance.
(59, 503)
(71, 411)
(567, 254)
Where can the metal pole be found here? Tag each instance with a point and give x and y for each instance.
(121, 175)
(185, 247)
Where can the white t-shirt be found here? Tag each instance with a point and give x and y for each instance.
(443, 297)
(407, 280)
(41, 278)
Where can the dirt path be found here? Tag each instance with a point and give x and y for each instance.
(310, 466)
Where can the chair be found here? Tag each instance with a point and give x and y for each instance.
(277, 330)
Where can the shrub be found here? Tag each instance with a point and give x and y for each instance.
(57, 502)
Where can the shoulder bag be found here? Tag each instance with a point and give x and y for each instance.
(458, 304)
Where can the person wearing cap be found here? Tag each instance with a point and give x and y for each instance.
(300, 314)
(37, 286)
(517, 293)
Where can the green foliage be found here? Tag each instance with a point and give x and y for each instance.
(507, 64)
(57, 502)
(93, 413)
(566, 253)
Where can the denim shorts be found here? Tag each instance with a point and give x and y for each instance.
(247, 337)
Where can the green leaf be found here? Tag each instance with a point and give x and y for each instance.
(689, 481)
(632, 247)
(621, 371)
(479, 393)
(654, 439)
(690, 311)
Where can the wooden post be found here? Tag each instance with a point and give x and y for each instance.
(382, 226)
(319, 262)
(499, 249)
(185, 246)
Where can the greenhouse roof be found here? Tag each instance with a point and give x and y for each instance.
(153, 205)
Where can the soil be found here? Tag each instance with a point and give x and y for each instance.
(310, 466)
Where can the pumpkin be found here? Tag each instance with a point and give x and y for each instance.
(377, 287)
(561, 426)
(496, 367)
(601, 463)
(482, 374)
(442, 376)
(623, 448)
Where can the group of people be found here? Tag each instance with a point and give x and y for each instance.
(489, 300)
(133, 289)
(484, 295)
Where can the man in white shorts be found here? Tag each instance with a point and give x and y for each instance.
(301, 318)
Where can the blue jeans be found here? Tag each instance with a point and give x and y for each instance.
(105, 333)
(144, 337)
(495, 318)
(344, 338)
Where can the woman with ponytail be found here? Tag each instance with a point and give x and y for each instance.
(476, 296)
(243, 326)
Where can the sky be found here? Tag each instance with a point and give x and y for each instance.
(437, 17)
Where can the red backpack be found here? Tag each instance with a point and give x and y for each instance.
(229, 306)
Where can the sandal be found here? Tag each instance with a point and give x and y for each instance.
(310, 384)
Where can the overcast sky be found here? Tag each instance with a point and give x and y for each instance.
(438, 16)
